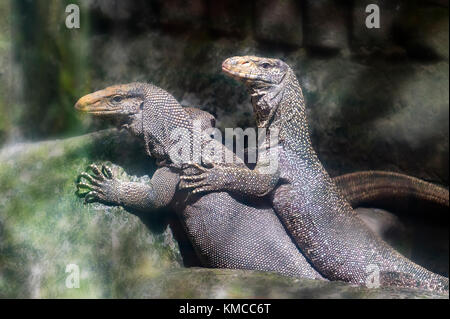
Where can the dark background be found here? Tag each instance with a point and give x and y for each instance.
(377, 98)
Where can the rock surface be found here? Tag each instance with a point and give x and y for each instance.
(44, 226)
(221, 283)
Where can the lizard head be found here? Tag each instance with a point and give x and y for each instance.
(253, 69)
(264, 78)
(121, 103)
(146, 111)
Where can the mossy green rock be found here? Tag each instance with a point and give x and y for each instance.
(225, 283)
(44, 227)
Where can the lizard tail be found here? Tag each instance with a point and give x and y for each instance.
(390, 190)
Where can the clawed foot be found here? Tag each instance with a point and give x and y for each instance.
(101, 185)
(206, 179)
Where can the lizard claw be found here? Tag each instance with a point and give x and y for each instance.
(91, 197)
(96, 171)
(203, 189)
(209, 179)
(107, 172)
(193, 178)
(88, 177)
(82, 185)
(101, 185)
(197, 166)
(195, 185)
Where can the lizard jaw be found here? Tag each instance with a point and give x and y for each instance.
(238, 75)
(243, 70)
(85, 106)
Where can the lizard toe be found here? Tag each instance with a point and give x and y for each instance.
(91, 179)
(193, 178)
(84, 185)
(107, 172)
(96, 171)
(206, 188)
(190, 185)
(91, 197)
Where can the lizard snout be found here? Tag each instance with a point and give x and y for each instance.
(80, 106)
(93, 103)
(86, 104)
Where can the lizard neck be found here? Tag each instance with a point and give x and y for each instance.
(166, 126)
(282, 107)
(291, 116)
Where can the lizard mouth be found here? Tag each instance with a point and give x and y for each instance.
(235, 73)
(95, 108)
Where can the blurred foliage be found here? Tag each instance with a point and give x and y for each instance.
(53, 67)
(5, 48)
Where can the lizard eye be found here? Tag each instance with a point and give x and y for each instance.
(265, 65)
(117, 99)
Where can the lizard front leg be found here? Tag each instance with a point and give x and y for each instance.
(236, 179)
(103, 187)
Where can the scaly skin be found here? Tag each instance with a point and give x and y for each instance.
(226, 231)
(374, 187)
(322, 223)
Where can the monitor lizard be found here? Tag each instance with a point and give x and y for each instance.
(226, 231)
(323, 224)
